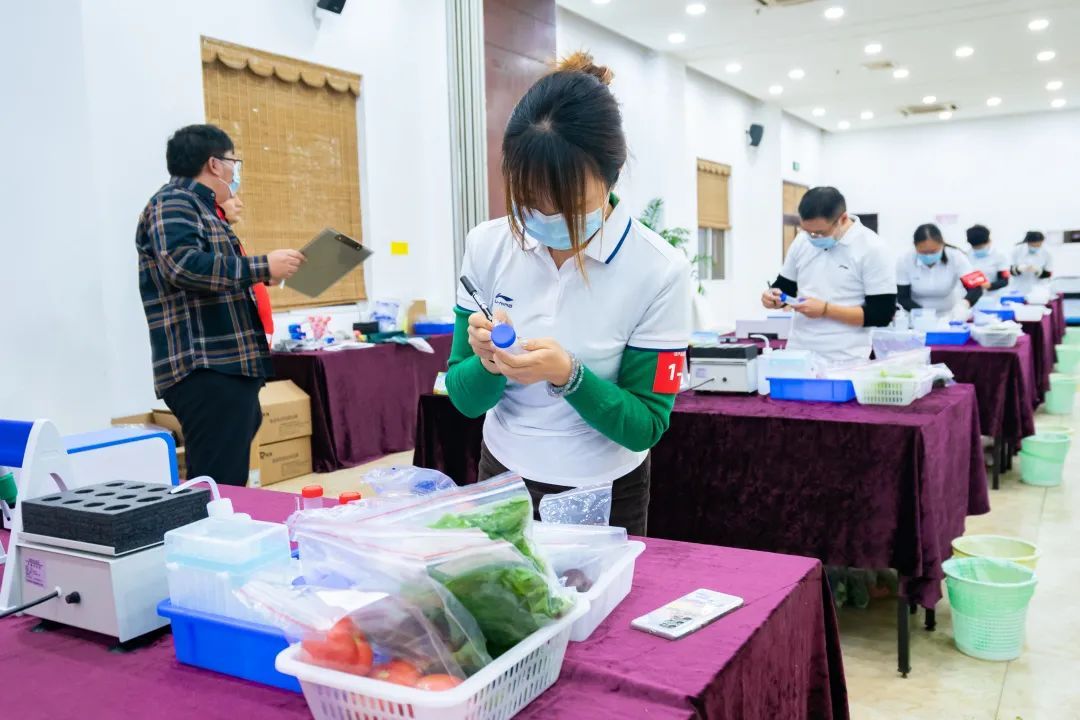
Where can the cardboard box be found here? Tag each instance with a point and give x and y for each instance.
(170, 422)
(286, 412)
(284, 460)
(181, 463)
(146, 418)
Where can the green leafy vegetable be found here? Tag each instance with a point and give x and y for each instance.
(503, 521)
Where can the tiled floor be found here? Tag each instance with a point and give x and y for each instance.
(1043, 684)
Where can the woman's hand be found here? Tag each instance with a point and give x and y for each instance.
(544, 361)
(480, 339)
(810, 307)
(770, 299)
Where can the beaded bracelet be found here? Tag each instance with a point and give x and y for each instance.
(576, 373)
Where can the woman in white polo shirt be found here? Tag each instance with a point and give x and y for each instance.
(987, 259)
(840, 277)
(603, 301)
(1031, 262)
(933, 276)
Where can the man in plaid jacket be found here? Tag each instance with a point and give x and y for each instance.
(210, 354)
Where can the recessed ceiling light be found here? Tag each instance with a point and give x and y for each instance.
(1046, 56)
(945, 114)
(796, 74)
(843, 125)
(695, 9)
(1057, 103)
(867, 115)
(993, 101)
(964, 51)
(872, 49)
(776, 89)
(733, 67)
(818, 112)
(834, 13)
(1054, 85)
(676, 38)
(929, 99)
(900, 73)
(1038, 24)
(601, 2)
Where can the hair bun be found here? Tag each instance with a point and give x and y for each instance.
(583, 62)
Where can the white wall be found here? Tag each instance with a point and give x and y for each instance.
(103, 85)
(1011, 174)
(672, 116)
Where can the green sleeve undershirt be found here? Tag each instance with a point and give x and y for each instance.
(472, 389)
(628, 412)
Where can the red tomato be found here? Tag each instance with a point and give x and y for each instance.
(364, 656)
(337, 649)
(438, 682)
(398, 672)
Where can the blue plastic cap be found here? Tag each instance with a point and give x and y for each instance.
(503, 335)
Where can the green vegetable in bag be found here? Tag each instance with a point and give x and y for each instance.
(504, 521)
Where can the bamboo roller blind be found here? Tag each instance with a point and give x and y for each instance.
(712, 195)
(294, 126)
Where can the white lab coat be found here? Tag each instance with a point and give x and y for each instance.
(936, 287)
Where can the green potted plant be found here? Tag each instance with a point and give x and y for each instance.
(677, 237)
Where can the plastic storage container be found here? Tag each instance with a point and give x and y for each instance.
(208, 559)
(997, 547)
(233, 647)
(811, 390)
(1059, 403)
(1035, 470)
(878, 389)
(1000, 314)
(610, 589)
(497, 692)
(948, 337)
(1029, 313)
(996, 337)
(1049, 446)
(1063, 383)
(989, 600)
(433, 328)
(791, 364)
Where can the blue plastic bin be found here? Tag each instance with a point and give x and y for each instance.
(1018, 299)
(1002, 315)
(433, 328)
(233, 647)
(811, 390)
(948, 337)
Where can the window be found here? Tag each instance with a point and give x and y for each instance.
(294, 125)
(713, 218)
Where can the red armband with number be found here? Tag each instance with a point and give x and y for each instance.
(974, 279)
(669, 369)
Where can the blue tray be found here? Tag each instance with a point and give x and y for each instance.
(433, 328)
(1018, 299)
(1001, 314)
(233, 647)
(948, 337)
(811, 390)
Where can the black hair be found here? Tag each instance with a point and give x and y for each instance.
(190, 147)
(1034, 236)
(566, 129)
(978, 235)
(822, 202)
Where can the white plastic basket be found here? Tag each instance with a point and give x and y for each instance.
(610, 589)
(876, 389)
(497, 692)
(991, 337)
(1029, 313)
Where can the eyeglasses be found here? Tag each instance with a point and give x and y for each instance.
(237, 162)
(827, 233)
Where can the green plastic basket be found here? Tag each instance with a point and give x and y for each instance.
(1068, 357)
(989, 600)
(1058, 403)
(1035, 470)
(1072, 337)
(1063, 382)
(1048, 446)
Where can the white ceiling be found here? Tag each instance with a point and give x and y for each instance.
(920, 35)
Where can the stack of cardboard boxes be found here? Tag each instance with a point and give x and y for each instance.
(282, 449)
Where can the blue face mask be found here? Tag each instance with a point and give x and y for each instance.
(932, 258)
(551, 230)
(1033, 250)
(823, 243)
(981, 254)
(234, 186)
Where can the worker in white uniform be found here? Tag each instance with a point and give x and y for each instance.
(601, 306)
(840, 280)
(936, 277)
(988, 260)
(1031, 262)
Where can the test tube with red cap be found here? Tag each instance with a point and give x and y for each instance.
(347, 497)
(313, 496)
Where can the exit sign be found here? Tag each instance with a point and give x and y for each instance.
(795, 166)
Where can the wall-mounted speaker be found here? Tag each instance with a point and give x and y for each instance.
(334, 6)
(756, 132)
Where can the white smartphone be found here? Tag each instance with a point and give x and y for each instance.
(688, 614)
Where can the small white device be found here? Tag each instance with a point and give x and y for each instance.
(688, 614)
(724, 368)
(776, 325)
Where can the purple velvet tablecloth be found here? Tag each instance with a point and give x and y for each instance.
(1004, 380)
(1057, 307)
(867, 486)
(1044, 355)
(363, 402)
(776, 657)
